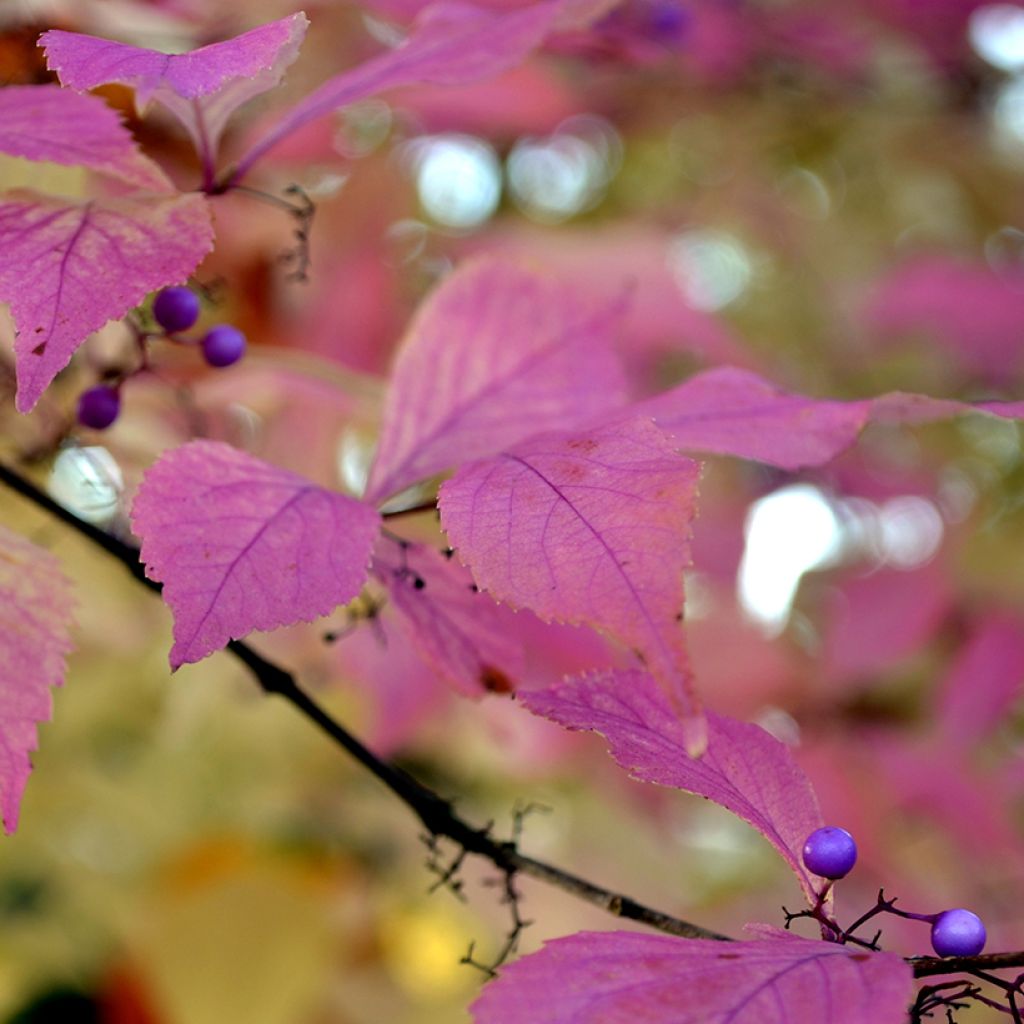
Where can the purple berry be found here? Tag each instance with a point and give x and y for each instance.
(176, 309)
(223, 345)
(99, 407)
(958, 933)
(669, 20)
(830, 852)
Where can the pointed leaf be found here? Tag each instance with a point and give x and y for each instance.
(46, 122)
(202, 88)
(591, 529)
(462, 633)
(745, 769)
(452, 44)
(736, 412)
(35, 611)
(634, 978)
(69, 268)
(241, 545)
(495, 355)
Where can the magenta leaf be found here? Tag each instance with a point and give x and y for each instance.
(590, 529)
(241, 545)
(461, 633)
(495, 355)
(46, 122)
(35, 611)
(736, 412)
(53, 251)
(971, 310)
(985, 680)
(451, 44)
(635, 978)
(745, 769)
(900, 407)
(202, 88)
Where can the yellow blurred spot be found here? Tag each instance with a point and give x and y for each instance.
(423, 948)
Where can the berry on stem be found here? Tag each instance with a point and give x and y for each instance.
(99, 407)
(958, 933)
(223, 345)
(176, 309)
(830, 852)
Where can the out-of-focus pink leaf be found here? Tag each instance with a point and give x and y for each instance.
(615, 977)
(970, 310)
(241, 545)
(900, 407)
(451, 44)
(202, 88)
(46, 122)
(745, 769)
(35, 611)
(736, 412)
(462, 633)
(984, 680)
(877, 620)
(589, 529)
(569, 13)
(497, 354)
(70, 267)
(525, 100)
(601, 260)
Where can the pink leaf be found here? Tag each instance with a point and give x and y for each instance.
(35, 609)
(745, 769)
(451, 44)
(984, 681)
(241, 545)
(900, 407)
(736, 412)
(876, 621)
(495, 355)
(620, 977)
(968, 311)
(68, 268)
(46, 122)
(591, 529)
(202, 88)
(463, 634)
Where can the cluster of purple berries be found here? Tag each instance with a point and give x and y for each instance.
(177, 309)
(174, 309)
(831, 853)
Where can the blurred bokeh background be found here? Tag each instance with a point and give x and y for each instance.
(828, 193)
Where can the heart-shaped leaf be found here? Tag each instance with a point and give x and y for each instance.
(241, 545)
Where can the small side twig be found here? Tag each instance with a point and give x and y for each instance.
(302, 210)
(510, 897)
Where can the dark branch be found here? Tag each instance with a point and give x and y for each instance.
(930, 966)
